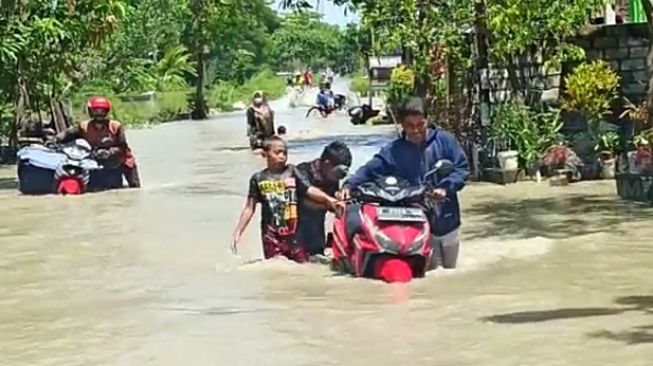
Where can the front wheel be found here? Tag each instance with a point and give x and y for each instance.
(311, 110)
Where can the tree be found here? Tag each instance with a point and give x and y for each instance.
(47, 48)
(303, 39)
(519, 30)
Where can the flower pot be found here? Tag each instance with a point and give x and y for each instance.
(644, 160)
(632, 163)
(508, 160)
(533, 169)
(608, 168)
(590, 170)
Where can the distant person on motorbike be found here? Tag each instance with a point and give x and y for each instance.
(409, 157)
(329, 75)
(260, 119)
(107, 139)
(278, 188)
(325, 99)
(324, 173)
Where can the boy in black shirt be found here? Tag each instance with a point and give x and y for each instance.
(278, 189)
(324, 173)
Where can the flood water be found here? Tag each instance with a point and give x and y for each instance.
(547, 275)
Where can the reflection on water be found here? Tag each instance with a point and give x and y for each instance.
(548, 275)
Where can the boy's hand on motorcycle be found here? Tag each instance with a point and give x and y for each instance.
(438, 194)
(343, 194)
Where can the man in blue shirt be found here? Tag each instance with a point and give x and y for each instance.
(410, 157)
(325, 99)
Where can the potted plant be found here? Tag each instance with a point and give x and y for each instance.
(640, 147)
(591, 89)
(507, 120)
(607, 147)
(559, 157)
(641, 161)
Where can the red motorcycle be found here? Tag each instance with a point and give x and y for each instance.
(384, 232)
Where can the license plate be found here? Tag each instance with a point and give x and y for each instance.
(406, 214)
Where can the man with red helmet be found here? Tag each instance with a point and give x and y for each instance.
(107, 138)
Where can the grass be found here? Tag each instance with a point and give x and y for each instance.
(173, 105)
(164, 107)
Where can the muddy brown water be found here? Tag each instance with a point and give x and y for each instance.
(547, 276)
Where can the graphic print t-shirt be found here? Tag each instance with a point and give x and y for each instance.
(278, 195)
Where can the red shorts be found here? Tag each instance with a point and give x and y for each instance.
(289, 247)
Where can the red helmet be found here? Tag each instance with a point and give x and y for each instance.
(99, 103)
(98, 107)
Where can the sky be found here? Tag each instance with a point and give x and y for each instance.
(332, 14)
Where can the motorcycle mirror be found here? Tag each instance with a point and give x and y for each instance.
(442, 168)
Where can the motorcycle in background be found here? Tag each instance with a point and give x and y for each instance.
(56, 169)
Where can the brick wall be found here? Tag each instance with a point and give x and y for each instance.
(625, 47)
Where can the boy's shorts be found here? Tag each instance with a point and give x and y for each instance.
(289, 247)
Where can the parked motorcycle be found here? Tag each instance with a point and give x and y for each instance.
(384, 232)
(56, 169)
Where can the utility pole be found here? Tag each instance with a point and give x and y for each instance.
(482, 71)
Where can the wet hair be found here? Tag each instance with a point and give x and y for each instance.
(281, 130)
(337, 153)
(412, 106)
(268, 142)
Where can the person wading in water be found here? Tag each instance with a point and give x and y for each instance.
(260, 120)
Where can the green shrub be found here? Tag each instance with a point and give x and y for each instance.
(591, 89)
(165, 107)
(527, 131)
(223, 95)
(402, 81)
(360, 84)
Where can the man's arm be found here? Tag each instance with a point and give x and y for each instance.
(378, 166)
(274, 131)
(253, 197)
(304, 188)
(330, 191)
(452, 150)
(120, 145)
(250, 118)
(245, 217)
(69, 134)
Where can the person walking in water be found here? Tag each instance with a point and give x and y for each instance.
(260, 120)
(279, 188)
(410, 156)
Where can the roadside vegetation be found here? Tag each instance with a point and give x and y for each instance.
(158, 60)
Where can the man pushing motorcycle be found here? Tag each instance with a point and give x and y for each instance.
(410, 156)
(107, 139)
